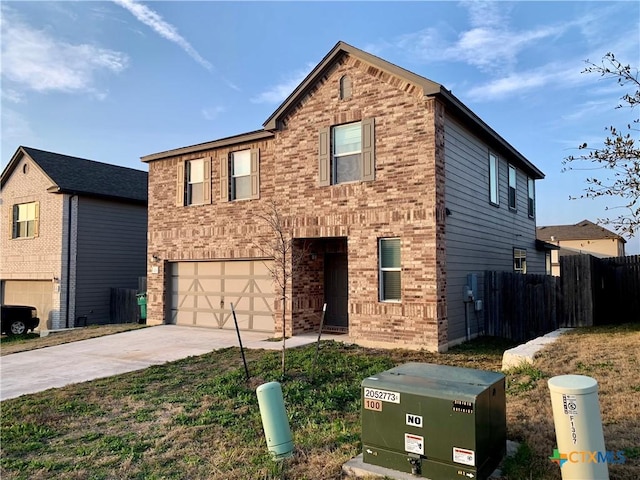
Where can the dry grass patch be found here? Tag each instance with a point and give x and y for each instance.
(611, 355)
(198, 419)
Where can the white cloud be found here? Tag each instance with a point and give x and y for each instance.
(281, 91)
(153, 20)
(213, 112)
(490, 44)
(33, 59)
(525, 81)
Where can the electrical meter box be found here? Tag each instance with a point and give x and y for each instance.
(435, 421)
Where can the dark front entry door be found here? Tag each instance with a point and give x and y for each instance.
(336, 291)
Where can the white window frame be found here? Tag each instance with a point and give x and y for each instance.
(383, 270)
(531, 193)
(195, 176)
(513, 187)
(520, 260)
(29, 223)
(494, 192)
(244, 155)
(336, 156)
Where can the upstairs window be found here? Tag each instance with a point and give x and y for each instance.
(512, 187)
(531, 192)
(240, 175)
(195, 182)
(26, 220)
(390, 270)
(346, 153)
(519, 260)
(493, 179)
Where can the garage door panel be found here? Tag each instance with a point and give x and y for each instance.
(35, 293)
(211, 285)
(202, 294)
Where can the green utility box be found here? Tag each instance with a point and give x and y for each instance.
(435, 421)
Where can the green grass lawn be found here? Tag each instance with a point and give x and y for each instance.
(198, 418)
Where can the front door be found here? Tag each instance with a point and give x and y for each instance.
(336, 292)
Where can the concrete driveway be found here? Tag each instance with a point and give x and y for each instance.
(53, 367)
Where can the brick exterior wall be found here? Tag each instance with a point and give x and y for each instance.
(41, 257)
(405, 200)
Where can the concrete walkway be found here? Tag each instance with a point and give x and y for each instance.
(52, 367)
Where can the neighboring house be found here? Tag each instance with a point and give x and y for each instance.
(583, 237)
(392, 187)
(72, 229)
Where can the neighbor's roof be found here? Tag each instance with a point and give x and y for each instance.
(80, 176)
(584, 230)
(429, 89)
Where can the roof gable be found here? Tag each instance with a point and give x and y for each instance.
(429, 89)
(584, 230)
(80, 176)
(340, 49)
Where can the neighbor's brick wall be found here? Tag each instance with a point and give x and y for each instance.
(405, 200)
(41, 257)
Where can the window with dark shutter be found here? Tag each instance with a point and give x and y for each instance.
(26, 220)
(346, 153)
(244, 174)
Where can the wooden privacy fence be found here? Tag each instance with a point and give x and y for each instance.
(599, 291)
(589, 291)
(124, 305)
(520, 307)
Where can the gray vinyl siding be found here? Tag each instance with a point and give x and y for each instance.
(112, 248)
(479, 235)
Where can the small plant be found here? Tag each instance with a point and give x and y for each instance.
(523, 378)
(519, 466)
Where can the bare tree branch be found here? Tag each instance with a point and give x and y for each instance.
(619, 155)
(280, 247)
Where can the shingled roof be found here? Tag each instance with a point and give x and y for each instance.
(80, 176)
(584, 230)
(381, 68)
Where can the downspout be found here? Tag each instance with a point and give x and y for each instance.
(69, 223)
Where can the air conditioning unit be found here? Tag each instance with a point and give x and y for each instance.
(435, 421)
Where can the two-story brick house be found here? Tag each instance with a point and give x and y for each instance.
(72, 229)
(393, 188)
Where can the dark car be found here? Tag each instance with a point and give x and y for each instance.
(18, 319)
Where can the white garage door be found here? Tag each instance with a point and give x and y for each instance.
(202, 294)
(35, 293)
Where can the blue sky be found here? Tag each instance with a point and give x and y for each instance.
(113, 81)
